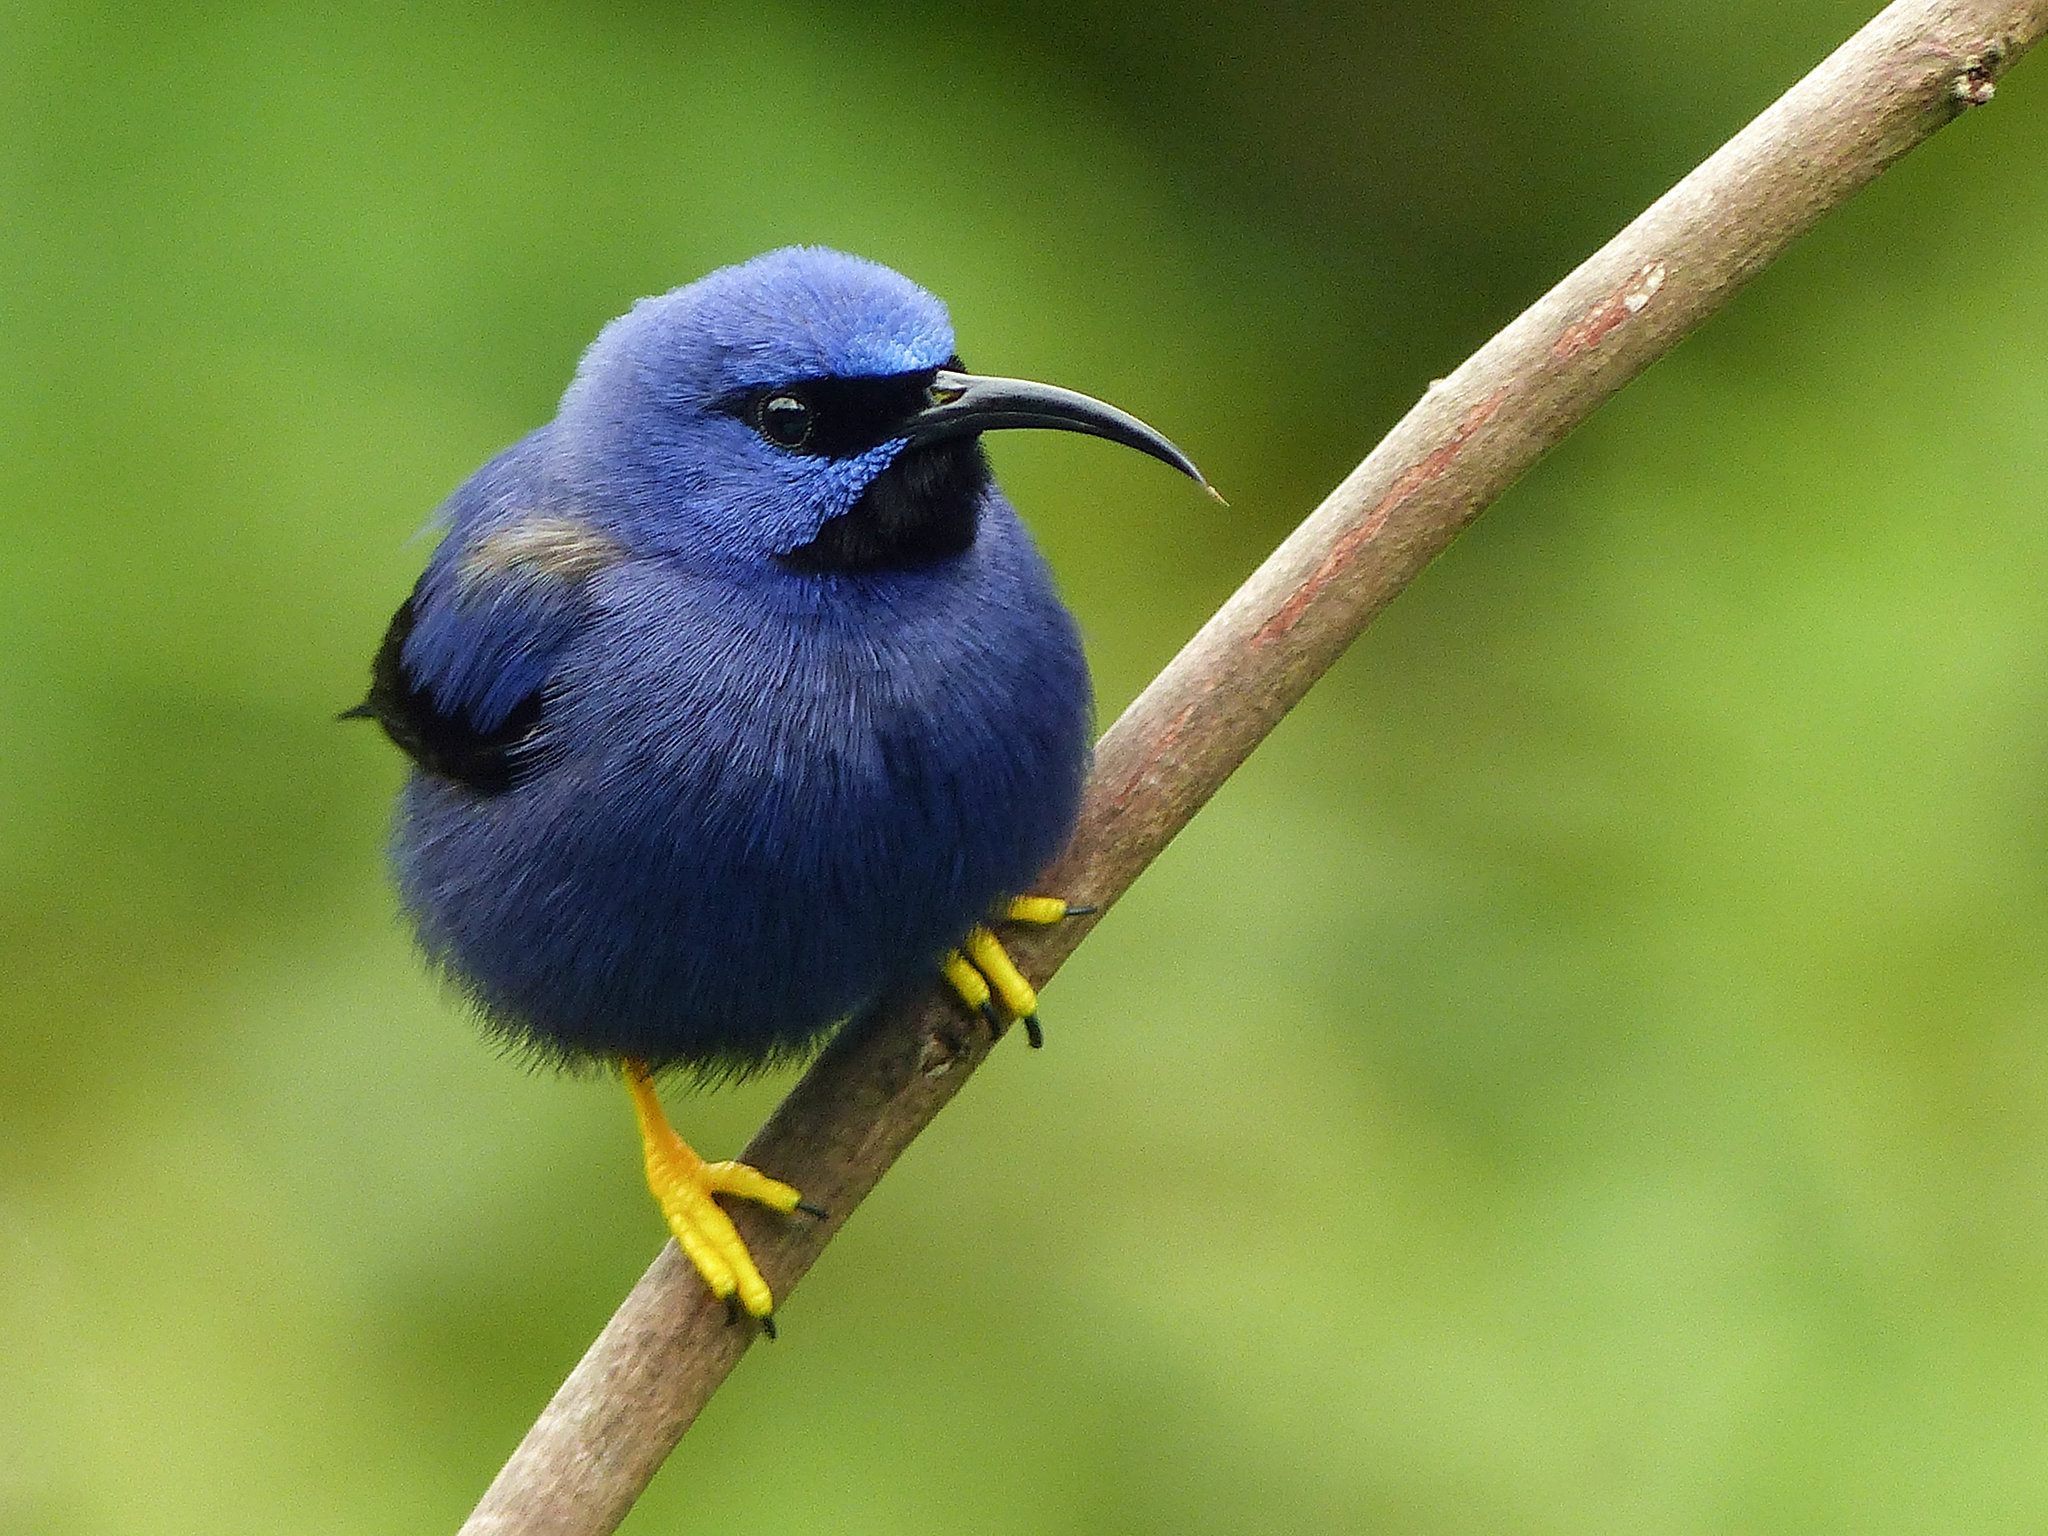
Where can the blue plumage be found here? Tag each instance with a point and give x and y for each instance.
(759, 803)
(738, 692)
(737, 696)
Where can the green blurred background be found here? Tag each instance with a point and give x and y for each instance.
(1588, 1073)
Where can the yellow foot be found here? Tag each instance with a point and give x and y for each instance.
(981, 969)
(683, 1184)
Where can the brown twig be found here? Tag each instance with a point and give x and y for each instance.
(1916, 66)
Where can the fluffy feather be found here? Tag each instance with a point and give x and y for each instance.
(778, 742)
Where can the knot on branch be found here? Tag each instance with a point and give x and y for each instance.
(1978, 81)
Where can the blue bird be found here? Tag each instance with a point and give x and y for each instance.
(737, 695)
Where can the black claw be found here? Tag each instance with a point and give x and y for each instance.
(814, 1210)
(733, 1310)
(995, 1020)
(1033, 1035)
(1083, 911)
(768, 1327)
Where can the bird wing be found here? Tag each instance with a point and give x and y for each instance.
(460, 681)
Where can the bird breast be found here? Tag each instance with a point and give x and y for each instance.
(757, 808)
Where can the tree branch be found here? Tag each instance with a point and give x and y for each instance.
(1910, 71)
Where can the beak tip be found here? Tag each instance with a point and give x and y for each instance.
(1214, 494)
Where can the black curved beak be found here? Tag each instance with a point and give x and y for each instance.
(966, 403)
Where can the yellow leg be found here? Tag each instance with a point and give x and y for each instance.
(968, 982)
(683, 1184)
(1041, 910)
(986, 953)
(982, 970)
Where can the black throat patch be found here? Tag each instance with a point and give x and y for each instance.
(920, 510)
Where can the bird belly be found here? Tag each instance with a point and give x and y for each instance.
(737, 841)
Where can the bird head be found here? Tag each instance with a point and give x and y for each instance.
(805, 409)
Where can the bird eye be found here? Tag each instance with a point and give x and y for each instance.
(784, 419)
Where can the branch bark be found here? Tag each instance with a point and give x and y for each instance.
(1915, 67)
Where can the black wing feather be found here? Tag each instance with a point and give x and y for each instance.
(447, 745)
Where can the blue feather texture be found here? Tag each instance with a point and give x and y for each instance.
(687, 789)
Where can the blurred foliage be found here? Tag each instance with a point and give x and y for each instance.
(1589, 1073)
